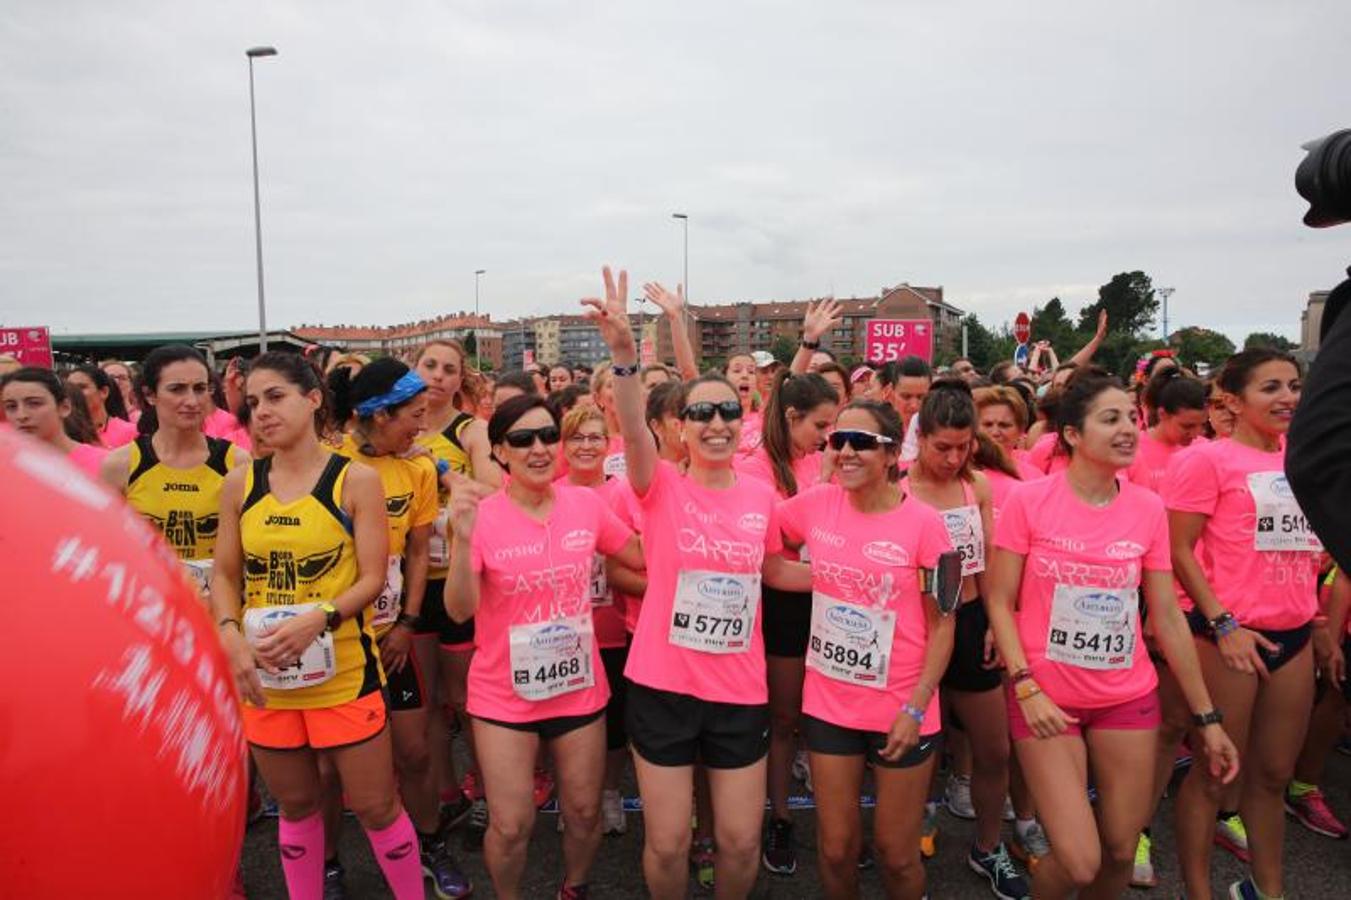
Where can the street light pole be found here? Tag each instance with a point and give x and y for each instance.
(1165, 293)
(688, 313)
(478, 273)
(255, 53)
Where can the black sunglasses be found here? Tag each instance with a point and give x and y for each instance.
(859, 440)
(522, 438)
(704, 410)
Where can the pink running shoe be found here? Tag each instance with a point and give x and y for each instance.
(1312, 811)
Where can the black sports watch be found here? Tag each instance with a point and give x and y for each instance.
(811, 345)
(334, 617)
(1212, 717)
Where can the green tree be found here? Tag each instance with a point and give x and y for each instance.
(985, 346)
(1196, 344)
(783, 348)
(1130, 303)
(1268, 339)
(470, 343)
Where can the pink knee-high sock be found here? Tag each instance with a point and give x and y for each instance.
(397, 852)
(302, 856)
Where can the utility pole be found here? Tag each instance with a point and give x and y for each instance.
(1165, 293)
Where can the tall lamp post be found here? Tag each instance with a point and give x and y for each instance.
(1165, 293)
(256, 53)
(685, 317)
(478, 274)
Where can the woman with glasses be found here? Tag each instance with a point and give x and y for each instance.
(612, 589)
(521, 563)
(877, 648)
(697, 689)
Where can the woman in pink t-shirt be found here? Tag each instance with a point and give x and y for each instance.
(1255, 600)
(799, 412)
(612, 584)
(1178, 401)
(1071, 554)
(697, 688)
(741, 373)
(106, 409)
(35, 403)
(877, 649)
(521, 564)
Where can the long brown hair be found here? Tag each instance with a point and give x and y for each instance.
(802, 393)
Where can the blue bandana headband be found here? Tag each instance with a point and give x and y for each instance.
(406, 388)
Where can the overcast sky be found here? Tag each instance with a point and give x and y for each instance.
(1008, 151)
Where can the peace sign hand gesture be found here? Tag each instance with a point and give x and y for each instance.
(611, 316)
(821, 317)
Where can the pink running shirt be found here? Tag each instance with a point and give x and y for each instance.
(806, 469)
(1047, 456)
(534, 572)
(117, 433)
(88, 458)
(1001, 484)
(690, 528)
(1152, 457)
(1078, 617)
(611, 615)
(1274, 589)
(873, 561)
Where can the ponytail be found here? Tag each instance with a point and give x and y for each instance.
(802, 393)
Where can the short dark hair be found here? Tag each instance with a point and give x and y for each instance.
(522, 380)
(511, 411)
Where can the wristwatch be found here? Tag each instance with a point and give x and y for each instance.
(811, 345)
(1211, 717)
(334, 617)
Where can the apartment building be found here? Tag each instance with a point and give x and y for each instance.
(398, 340)
(719, 331)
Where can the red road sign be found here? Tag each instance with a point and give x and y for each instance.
(30, 346)
(1022, 328)
(888, 340)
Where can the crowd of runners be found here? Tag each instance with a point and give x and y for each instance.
(731, 580)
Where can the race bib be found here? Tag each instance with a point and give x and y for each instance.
(1280, 523)
(1093, 628)
(199, 573)
(385, 609)
(601, 595)
(552, 658)
(615, 466)
(850, 643)
(967, 533)
(714, 611)
(316, 665)
(438, 548)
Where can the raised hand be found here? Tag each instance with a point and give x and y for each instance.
(821, 317)
(611, 316)
(1102, 324)
(667, 302)
(465, 496)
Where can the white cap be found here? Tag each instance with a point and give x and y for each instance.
(763, 359)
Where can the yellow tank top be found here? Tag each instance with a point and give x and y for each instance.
(184, 504)
(410, 502)
(296, 555)
(447, 445)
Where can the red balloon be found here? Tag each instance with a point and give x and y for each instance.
(122, 767)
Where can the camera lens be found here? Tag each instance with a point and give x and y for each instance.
(1324, 179)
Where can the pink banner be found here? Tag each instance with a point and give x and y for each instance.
(889, 340)
(30, 346)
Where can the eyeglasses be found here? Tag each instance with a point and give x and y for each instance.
(523, 438)
(858, 440)
(704, 410)
(593, 439)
